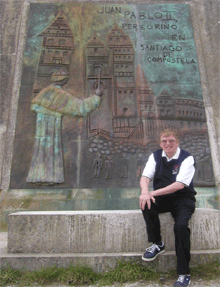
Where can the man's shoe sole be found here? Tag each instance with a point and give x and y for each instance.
(151, 259)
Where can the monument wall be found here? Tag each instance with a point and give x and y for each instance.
(62, 148)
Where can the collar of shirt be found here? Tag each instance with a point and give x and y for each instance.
(176, 155)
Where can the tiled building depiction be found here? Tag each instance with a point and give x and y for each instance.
(57, 48)
(135, 110)
(132, 108)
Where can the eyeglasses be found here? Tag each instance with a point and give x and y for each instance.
(167, 141)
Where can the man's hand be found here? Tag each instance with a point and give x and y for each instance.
(145, 198)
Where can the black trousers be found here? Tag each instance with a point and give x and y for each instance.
(181, 209)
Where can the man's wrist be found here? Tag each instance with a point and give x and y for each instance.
(146, 191)
(157, 192)
(153, 193)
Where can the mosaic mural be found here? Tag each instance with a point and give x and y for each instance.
(142, 58)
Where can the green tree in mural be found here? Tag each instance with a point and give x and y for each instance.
(50, 105)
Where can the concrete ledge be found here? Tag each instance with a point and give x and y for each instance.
(102, 231)
(101, 262)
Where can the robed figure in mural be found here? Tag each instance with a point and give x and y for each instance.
(50, 105)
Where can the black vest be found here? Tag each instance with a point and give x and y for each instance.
(166, 173)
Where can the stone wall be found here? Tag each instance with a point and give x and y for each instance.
(13, 15)
(99, 239)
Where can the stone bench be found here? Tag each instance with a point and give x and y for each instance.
(118, 231)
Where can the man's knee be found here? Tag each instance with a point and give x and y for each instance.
(181, 224)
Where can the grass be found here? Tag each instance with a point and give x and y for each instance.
(211, 271)
(207, 271)
(128, 272)
(76, 276)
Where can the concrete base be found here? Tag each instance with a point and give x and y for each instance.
(99, 239)
(99, 262)
(102, 231)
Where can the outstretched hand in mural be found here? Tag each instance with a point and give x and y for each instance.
(50, 105)
(99, 92)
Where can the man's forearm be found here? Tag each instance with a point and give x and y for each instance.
(144, 184)
(168, 189)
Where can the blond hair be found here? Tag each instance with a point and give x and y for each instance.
(168, 132)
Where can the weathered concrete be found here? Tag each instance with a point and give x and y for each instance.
(99, 262)
(102, 231)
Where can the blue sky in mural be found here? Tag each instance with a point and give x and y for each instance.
(162, 35)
